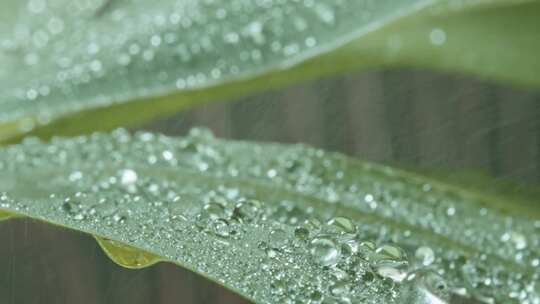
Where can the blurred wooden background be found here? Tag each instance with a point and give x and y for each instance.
(402, 116)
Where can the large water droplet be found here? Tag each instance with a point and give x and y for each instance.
(301, 233)
(247, 210)
(325, 251)
(341, 225)
(214, 211)
(394, 271)
(390, 262)
(220, 227)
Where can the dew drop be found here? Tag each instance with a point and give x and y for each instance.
(519, 240)
(167, 155)
(301, 233)
(425, 255)
(278, 238)
(215, 211)
(325, 251)
(221, 228)
(390, 252)
(128, 177)
(341, 225)
(393, 272)
(339, 288)
(271, 253)
(247, 210)
(119, 218)
(390, 262)
(36, 6)
(437, 36)
(55, 25)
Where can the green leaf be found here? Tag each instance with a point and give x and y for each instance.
(73, 66)
(278, 223)
(5, 215)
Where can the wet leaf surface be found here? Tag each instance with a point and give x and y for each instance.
(278, 223)
(73, 66)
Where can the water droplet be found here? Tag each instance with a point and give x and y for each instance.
(73, 209)
(31, 59)
(119, 218)
(325, 13)
(220, 227)
(55, 25)
(390, 252)
(390, 262)
(437, 36)
(518, 240)
(36, 6)
(231, 38)
(215, 211)
(271, 173)
(425, 255)
(431, 287)
(247, 210)
(301, 233)
(394, 272)
(155, 40)
(339, 288)
(325, 251)
(341, 225)
(271, 253)
(278, 238)
(167, 155)
(128, 177)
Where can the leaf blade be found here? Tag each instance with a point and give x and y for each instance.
(223, 209)
(73, 86)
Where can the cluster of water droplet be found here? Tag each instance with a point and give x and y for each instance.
(260, 216)
(140, 48)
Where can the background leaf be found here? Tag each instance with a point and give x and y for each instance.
(109, 63)
(267, 220)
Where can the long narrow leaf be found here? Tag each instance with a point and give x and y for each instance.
(276, 223)
(73, 66)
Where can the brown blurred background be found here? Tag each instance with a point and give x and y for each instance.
(407, 117)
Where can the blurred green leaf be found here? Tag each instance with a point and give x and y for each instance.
(278, 223)
(73, 66)
(5, 215)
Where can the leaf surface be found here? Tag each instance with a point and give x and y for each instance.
(278, 223)
(73, 66)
